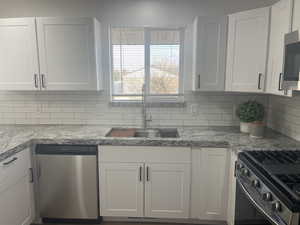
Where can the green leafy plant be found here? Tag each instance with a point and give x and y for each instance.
(250, 111)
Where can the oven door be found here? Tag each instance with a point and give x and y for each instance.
(246, 210)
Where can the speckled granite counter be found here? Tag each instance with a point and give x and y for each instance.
(14, 138)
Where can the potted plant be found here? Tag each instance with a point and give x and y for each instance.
(251, 115)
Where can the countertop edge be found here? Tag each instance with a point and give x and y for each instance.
(115, 142)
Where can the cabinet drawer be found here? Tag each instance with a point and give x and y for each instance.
(145, 154)
(14, 168)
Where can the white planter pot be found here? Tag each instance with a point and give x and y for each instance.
(257, 130)
(245, 127)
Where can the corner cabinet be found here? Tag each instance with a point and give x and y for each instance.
(50, 54)
(281, 18)
(144, 181)
(209, 54)
(247, 50)
(16, 190)
(210, 169)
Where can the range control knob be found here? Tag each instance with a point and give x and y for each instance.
(245, 172)
(267, 196)
(239, 166)
(277, 206)
(256, 183)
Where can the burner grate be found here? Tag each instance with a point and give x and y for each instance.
(276, 157)
(289, 178)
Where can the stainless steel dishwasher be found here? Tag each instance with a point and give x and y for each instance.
(68, 183)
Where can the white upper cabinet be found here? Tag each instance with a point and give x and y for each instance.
(209, 53)
(281, 15)
(50, 54)
(247, 50)
(18, 54)
(296, 15)
(67, 51)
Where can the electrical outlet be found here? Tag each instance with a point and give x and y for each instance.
(194, 109)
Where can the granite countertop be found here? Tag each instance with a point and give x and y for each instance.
(14, 138)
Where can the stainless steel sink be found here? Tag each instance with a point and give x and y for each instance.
(143, 133)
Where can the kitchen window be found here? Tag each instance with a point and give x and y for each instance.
(150, 56)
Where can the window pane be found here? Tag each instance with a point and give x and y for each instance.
(164, 61)
(128, 60)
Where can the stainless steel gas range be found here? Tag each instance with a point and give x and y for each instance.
(268, 188)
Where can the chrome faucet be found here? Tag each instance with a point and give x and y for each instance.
(144, 108)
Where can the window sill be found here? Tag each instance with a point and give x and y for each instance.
(175, 104)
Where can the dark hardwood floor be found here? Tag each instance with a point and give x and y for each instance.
(124, 223)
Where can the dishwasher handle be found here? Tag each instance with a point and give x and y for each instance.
(66, 149)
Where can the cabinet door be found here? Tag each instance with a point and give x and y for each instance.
(281, 15)
(67, 53)
(167, 190)
(247, 50)
(296, 15)
(209, 183)
(16, 190)
(18, 54)
(209, 53)
(121, 189)
(16, 203)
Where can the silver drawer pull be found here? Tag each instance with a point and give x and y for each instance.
(140, 174)
(36, 85)
(10, 161)
(43, 81)
(147, 173)
(259, 81)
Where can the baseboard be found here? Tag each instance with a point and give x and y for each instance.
(160, 220)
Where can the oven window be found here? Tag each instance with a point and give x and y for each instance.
(245, 212)
(292, 62)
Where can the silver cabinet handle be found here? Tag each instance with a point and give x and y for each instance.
(199, 81)
(31, 175)
(279, 83)
(43, 81)
(140, 173)
(36, 84)
(147, 173)
(10, 161)
(259, 80)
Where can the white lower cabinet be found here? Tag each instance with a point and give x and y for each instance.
(210, 167)
(156, 185)
(164, 182)
(167, 190)
(121, 189)
(16, 190)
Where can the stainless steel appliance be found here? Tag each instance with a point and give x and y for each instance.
(268, 188)
(291, 74)
(68, 183)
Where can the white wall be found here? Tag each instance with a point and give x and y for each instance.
(93, 108)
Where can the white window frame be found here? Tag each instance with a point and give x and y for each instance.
(153, 98)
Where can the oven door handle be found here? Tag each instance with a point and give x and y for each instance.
(257, 205)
